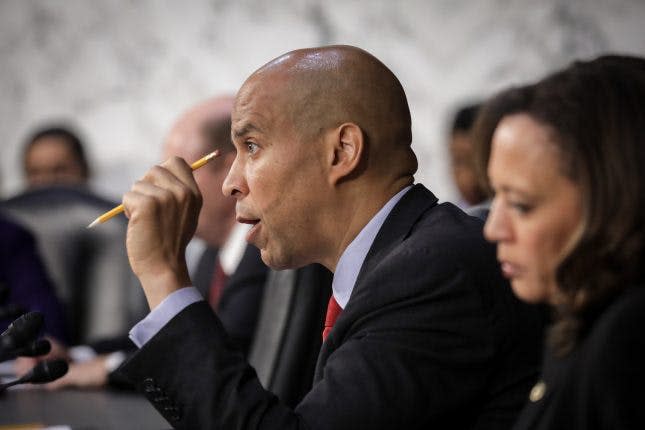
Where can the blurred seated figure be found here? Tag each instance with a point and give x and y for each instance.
(24, 283)
(229, 274)
(89, 268)
(54, 156)
(461, 158)
(489, 114)
(276, 323)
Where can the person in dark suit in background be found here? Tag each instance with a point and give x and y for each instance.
(89, 268)
(568, 217)
(421, 329)
(238, 281)
(230, 274)
(462, 160)
(24, 281)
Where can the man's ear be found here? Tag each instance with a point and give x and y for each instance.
(347, 146)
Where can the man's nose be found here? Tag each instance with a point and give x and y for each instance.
(234, 184)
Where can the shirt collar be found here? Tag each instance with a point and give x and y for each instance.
(351, 260)
(230, 254)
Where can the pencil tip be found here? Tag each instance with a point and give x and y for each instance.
(93, 223)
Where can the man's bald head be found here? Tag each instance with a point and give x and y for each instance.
(323, 142)
(324, 87)
(202, 129)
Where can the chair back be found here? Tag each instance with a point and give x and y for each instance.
(89, 267)
(288, 334)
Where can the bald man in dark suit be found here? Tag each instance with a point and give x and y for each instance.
(421, 329)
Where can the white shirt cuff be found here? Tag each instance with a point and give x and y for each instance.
(114, 360)
(162, 314)
(81, 353)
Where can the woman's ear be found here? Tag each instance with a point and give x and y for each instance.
(347, 144)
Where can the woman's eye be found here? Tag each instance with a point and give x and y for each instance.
(521, 208)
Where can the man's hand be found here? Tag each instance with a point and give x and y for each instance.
(23, 365)
(163, 208)
(88, 374)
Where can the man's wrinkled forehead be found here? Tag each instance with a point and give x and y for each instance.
(266, 81)
(243, 99)
(261, 101)
(245, 104)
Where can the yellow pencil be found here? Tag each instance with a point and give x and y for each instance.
(117, 210)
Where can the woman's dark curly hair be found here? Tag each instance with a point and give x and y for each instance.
(596, 111)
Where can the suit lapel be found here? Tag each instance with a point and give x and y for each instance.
(395, 229)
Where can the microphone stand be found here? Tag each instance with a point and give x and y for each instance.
(41, 373)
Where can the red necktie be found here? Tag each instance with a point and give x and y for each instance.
(217, 285)
(333, 310)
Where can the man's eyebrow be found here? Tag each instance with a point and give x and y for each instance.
(245, 129)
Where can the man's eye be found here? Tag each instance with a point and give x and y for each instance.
(252, 147)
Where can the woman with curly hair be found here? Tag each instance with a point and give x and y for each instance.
(566, 159)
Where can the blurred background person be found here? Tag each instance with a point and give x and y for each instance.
(88, 268)
(461, 157)
(489, 115)
(568, 217)
(55, 155)
(229, 273)
(24, 283)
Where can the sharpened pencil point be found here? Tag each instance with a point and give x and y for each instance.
(93, 223)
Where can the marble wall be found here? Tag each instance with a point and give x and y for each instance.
(121, 70)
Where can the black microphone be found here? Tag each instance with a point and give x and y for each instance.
(22, 331)
(34, 349)
(11, 311)
(43, 372)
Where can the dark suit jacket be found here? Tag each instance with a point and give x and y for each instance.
(431, 337)
(239, 304)
(599, 385)
(23, 273)
(238, 307)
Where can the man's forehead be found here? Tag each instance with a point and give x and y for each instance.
(256, 107)
(258, 87)
(243, 110)
(245, 127)
(248, 118)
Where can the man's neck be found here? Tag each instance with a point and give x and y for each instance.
(353, 257)
(354, 212)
